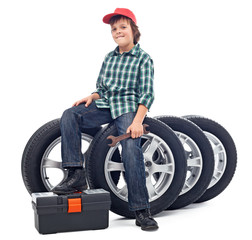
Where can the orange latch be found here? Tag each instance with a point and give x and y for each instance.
(74, 205)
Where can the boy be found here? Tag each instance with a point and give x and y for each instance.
(124, 94)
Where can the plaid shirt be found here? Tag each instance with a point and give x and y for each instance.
(125, 80)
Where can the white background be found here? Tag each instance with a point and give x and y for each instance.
(50, 56)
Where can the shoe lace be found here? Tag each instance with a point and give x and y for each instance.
(143, 214)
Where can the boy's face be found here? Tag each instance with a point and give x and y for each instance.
(122, 33)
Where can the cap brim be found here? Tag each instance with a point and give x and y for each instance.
(108, 16)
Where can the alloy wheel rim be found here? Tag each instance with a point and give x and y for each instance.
(51, 169)
(158, 159)
(220, 158)
(194, 162)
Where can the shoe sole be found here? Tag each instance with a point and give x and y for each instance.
(147, 228)
(79, 189)
(64, 192)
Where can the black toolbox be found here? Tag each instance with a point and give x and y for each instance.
(54, 213)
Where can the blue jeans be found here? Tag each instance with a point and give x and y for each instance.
(76, 118)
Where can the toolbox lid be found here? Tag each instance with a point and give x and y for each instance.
(43, 194)
(51, 203)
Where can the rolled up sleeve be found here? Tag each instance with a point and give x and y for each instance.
(146, 90)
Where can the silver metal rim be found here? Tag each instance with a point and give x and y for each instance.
(194, 161)
(52, 160)
(161, 164)
(220, 158)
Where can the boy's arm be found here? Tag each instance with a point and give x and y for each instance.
(136, 127)
(95, 96)
(146, 98)
(141, 112)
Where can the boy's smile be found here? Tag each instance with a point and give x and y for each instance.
(123, 35)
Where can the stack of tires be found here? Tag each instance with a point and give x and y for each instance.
(188, 159)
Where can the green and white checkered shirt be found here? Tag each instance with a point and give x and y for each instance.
(125, 80)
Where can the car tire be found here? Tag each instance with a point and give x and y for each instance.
(225, 155)
(35, 164)
(173, 170)
(200, 159)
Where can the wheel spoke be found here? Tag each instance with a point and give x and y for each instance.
(123, 191)
(183, 140)
(115, 166)
(152, 148)
(49, 163)
(215, 177)
(194, 162)
(218, 149)
(187, 185)
(166, 168)
(151, 189)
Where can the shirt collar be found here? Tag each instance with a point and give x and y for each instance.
(134, 51)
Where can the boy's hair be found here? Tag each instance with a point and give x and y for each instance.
(134, 27)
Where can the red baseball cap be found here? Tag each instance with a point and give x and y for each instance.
(120, 11)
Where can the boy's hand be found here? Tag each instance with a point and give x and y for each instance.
(88, 100)
(136, 130)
